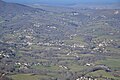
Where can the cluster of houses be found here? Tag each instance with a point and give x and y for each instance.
(4, 55)
(101, 45)
(86, 78)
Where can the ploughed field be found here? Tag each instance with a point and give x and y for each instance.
(66, 44)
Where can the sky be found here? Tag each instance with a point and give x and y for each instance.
(63, 2)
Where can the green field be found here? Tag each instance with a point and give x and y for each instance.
(27, 77)
(102, 74)
(112, 63)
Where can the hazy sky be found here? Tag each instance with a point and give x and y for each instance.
(58, 2)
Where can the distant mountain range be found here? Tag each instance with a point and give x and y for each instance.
(79, 3)
(63, 2)
(98, 5)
